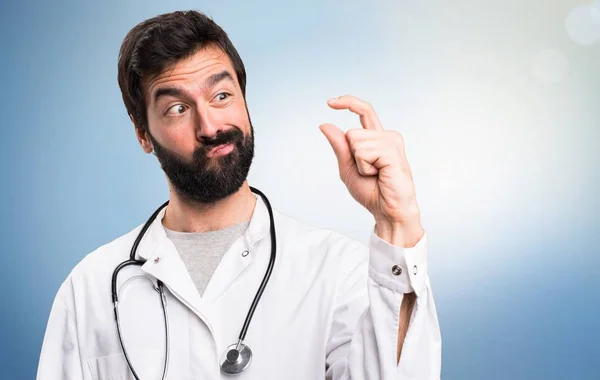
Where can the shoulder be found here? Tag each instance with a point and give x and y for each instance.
(100, 263)
(90, 278)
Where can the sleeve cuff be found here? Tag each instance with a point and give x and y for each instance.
(402, 270)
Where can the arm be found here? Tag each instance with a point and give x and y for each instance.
(59, 358)
(398, 236)
(373, 165)
(375, 320)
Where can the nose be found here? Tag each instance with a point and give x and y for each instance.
(207, 124)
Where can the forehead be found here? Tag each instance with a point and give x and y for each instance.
(192, 70)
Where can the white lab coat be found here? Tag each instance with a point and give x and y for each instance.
(329, 311)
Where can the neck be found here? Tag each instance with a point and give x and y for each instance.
(185, 216)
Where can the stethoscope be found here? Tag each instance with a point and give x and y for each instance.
(237, 356)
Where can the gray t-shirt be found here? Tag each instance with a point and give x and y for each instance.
(201, 252)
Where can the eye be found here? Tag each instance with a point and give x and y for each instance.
(222, 96)
(177, 109)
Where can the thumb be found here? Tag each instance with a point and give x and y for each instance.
(338, 142)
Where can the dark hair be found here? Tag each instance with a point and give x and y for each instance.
(154, 44)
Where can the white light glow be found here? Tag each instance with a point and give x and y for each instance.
(583, 24)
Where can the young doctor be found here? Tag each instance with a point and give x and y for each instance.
(217, 283)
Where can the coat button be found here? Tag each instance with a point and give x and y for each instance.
(415, 270)
(396, 270)
(245, 253)
(156, 260)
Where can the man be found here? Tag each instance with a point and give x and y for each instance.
(332, 308)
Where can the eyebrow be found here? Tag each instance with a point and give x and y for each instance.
(215, 79)
(178, 92)
(175, 92)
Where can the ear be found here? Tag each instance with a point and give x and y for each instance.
(142, 136)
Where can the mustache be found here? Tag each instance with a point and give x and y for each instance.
(233, 135)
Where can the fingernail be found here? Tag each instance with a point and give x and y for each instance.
(332, 100)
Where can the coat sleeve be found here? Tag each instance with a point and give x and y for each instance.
(363, 338)
(60, 357)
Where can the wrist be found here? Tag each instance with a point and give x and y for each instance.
(399, 234)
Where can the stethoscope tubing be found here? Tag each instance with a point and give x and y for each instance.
(265, 280)
(160, 286)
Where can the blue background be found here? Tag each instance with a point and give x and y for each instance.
(499, 105)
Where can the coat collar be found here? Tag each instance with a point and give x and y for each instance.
(164, 263)
(258, 228)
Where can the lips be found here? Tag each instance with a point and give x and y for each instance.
(220, 150)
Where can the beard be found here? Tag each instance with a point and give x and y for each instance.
(206, 179)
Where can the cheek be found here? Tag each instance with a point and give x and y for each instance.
(175, 136)
(239, 117)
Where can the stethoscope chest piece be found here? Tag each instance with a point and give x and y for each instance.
(236, 359)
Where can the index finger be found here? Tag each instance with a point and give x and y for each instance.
(368, 117)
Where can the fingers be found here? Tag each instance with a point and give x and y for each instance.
(337, 140)
(357, 147)
(373, 150)
(364, 167)
(365, 150)
(368, 117)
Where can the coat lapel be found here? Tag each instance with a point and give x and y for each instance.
(164, 263)
(240, 255)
